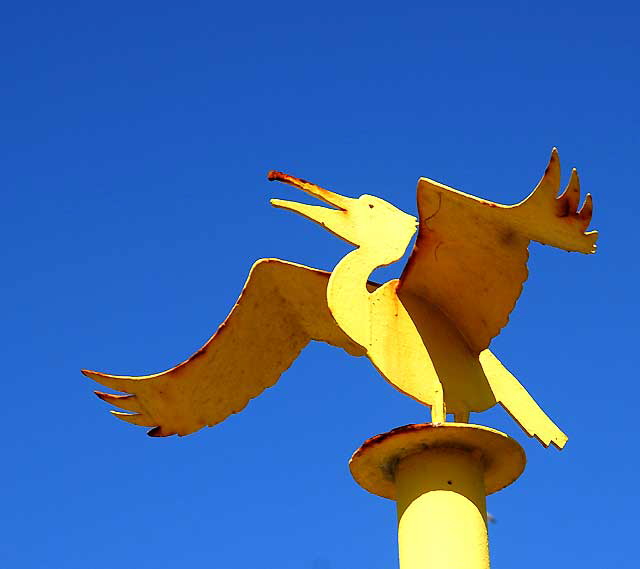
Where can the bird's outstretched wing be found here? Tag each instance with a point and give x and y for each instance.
(282, 307)
(470, 257)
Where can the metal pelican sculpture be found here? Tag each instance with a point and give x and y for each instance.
(427, 333)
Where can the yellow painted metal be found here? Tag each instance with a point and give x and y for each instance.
(427, 333)
(442, 517)
(439, 476)
(479, 249)
(373, 464)
(282, 307)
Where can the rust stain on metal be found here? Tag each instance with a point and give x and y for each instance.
(276, 176)
(374, 464)
(156, 432)
(110, 396)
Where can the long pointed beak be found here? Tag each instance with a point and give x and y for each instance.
(332, 219)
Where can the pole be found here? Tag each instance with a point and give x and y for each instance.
(439, 476)
(442, 517)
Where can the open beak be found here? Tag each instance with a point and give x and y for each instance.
(334, 220)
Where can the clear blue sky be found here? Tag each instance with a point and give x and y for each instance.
(135, 140)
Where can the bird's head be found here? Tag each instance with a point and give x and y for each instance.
(366, 222)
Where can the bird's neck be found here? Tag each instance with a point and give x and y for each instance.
(348, 297)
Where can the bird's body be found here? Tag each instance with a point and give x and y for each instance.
(413, 345)
(427, 333)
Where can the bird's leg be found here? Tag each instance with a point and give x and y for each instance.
(439, 409)
(461, 417)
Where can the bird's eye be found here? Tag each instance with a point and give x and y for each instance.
(371, 205)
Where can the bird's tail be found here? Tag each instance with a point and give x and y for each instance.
(519, 404)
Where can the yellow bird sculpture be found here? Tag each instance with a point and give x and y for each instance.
(427, 333)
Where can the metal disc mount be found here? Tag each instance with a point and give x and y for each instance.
(373, 465)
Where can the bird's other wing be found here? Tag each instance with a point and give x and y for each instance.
(282, 307)
(470, 257)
